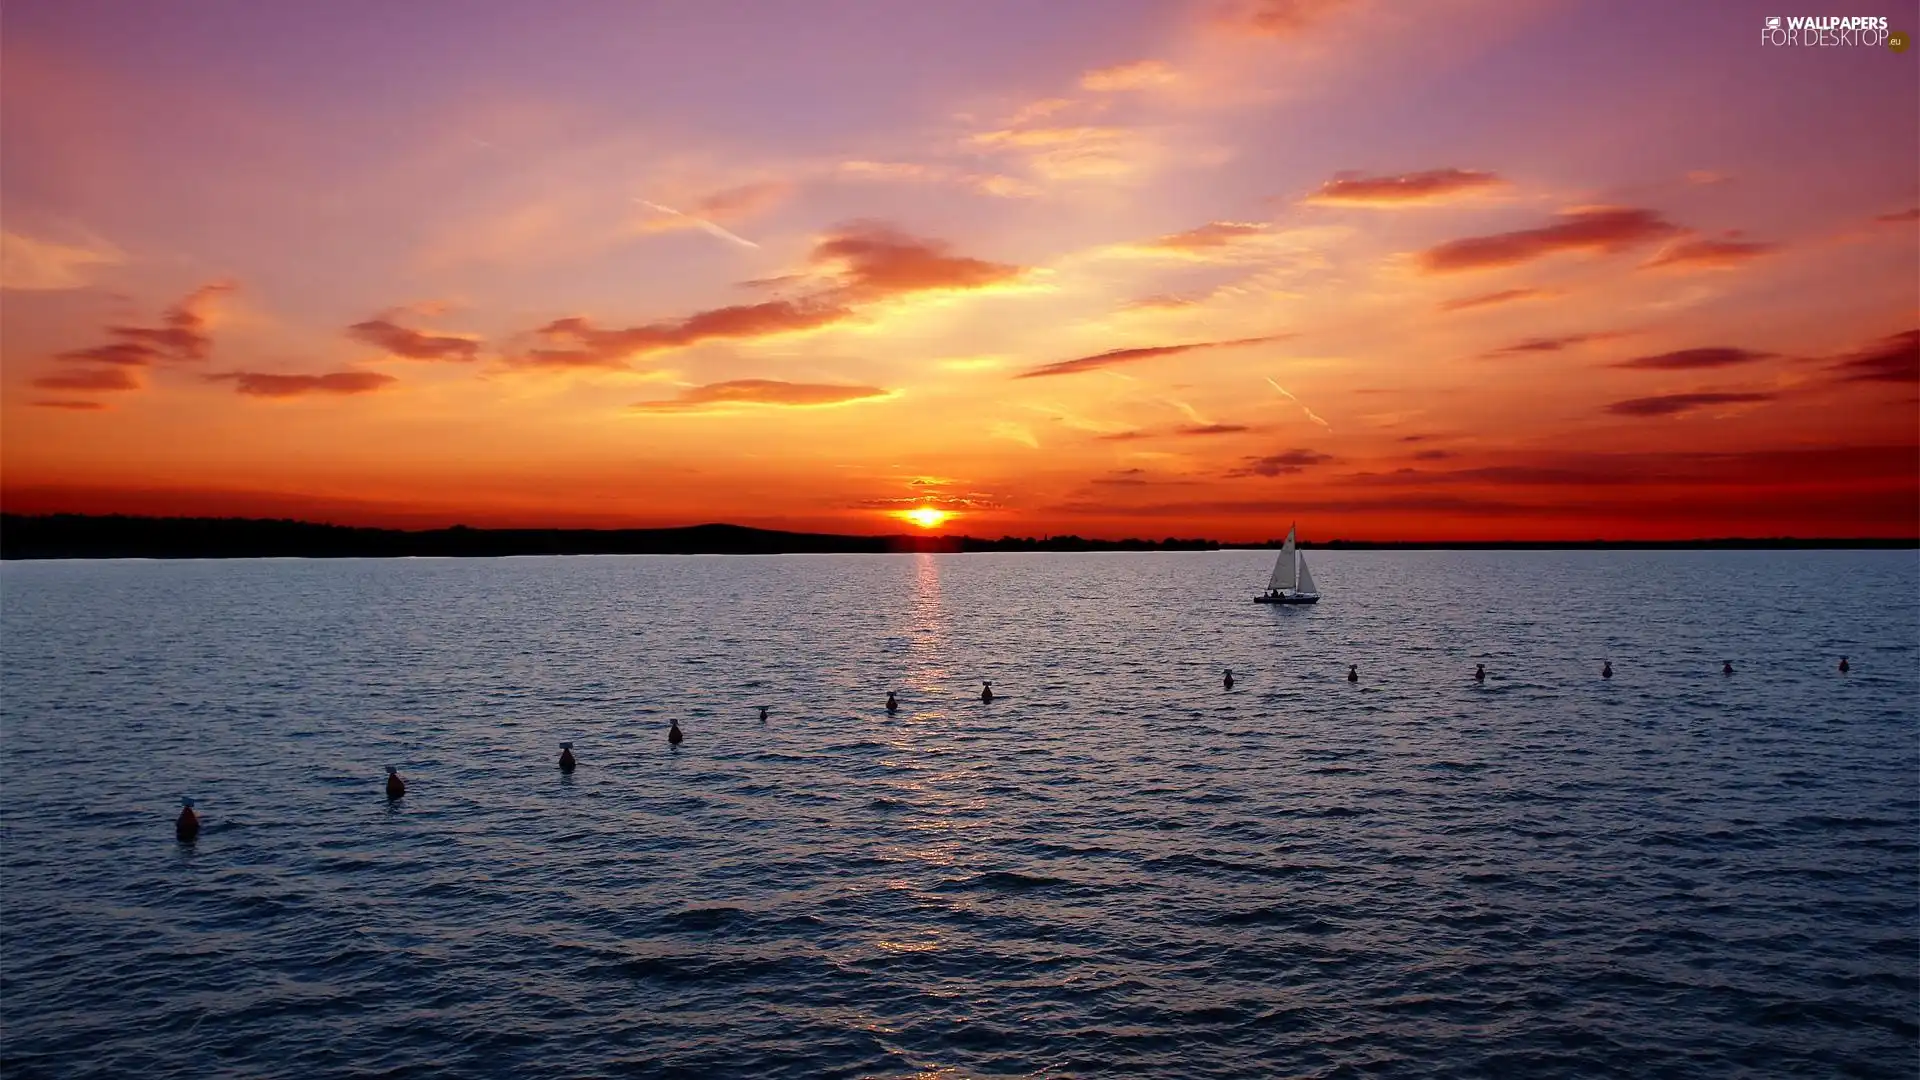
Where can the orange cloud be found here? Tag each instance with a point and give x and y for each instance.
(875, 260)
(36, 265)
(68, 403)
(994, 184)
(761, 392)
(261, 384)
(1135, 76)
(1899, 217)
(743, 201)
(1211, 236)
(1555, 344)
(1279, 18)
(1712, 253)
(1434, 185)
(1128, 356)
(383, 333)
(1894, 359)
(1604, 229)
(585, 345)
(1504, 296)
(1213, 429)
(1163, 302)
(182, 336)
(1681, 404)
(107, 378)
(1285, 463)
(1689, 359)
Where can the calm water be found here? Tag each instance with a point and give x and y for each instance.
(1116, 868)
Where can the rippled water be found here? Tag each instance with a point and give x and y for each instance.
(1115, 868)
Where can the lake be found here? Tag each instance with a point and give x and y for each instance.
(1117, 867)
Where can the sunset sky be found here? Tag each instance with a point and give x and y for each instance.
(1447, 269)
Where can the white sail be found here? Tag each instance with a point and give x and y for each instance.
(1283, 566)
(1306, 579)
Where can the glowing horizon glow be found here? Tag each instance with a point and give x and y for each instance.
(927, 517)
(1045, 263)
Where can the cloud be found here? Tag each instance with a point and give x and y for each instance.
(1504, 296)
(1604, 229)
(1555, 344)
(1279, 18)
(1213, 429)
(1681, 404)
(107, 378)
(262, 384)
(182, 336)
(1285, 463)
(1688, 359)
(1015, 433)
(1135, 76)
(42, 265)
(1707, 178)
(383, 333)
(1893, 359)
(1711, 254)
(1128, 356)
(68, 403)
(875, 260)
(995, 184)
(1899, 217)
(584, 345)
(675, 219)
(1082, 152)
(1289, 395)
(1163, 302)
(858, 263)
(1206, 243)
(743, 201)
(1434, 455)
(1432, 186)
(715, 396)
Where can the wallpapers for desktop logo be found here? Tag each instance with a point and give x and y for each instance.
(1870, 31)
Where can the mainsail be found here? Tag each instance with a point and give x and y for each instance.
(1283, 573)
(1306, 579)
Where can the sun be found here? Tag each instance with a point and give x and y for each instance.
(926, 516)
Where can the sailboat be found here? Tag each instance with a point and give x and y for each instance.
(1290, 583)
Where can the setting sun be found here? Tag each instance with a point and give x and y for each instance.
(926, 516)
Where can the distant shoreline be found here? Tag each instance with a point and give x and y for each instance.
(83, 536)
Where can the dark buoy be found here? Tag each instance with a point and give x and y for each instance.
(986, 692)
(1843, 666)
(396, 787)
(893, 705)
(1353, 672)
(1479, 673)
(763, 714)
(566, 757)
(186, 827)
(1606, 669)
(673, 733)
(1726, 667)
(1228, 681)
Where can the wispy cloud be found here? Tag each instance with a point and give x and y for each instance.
(384, 333)
(1604, 230)
(1138, 75)
(1894, 359)
(34, 265)
(1278, 18)
(1711, 254)
(1682, 404)
(1555, 344)
(1692, 359)
(1130, 356)
(1504, 296)
(719, 396)
(697, 222)
(1285, 463)
(268, 385)
(106, 378)
(1407, 189)
(1288, 394)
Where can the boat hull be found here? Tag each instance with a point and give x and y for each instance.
(1286, 599)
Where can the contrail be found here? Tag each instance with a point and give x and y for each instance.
(702, 222)
(1302, 404)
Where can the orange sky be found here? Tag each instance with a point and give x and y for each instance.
(1462, 269)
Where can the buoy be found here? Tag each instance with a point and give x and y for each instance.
(893, 705)
(1479, 673)
(1228, 681)
(1843, 666)
(986, 692)
(1606, 669)
(187, 826)
(763, 714)
(673, 733)
(566, 757)
(396, 787)
(1726, 668)
(1353, 672)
